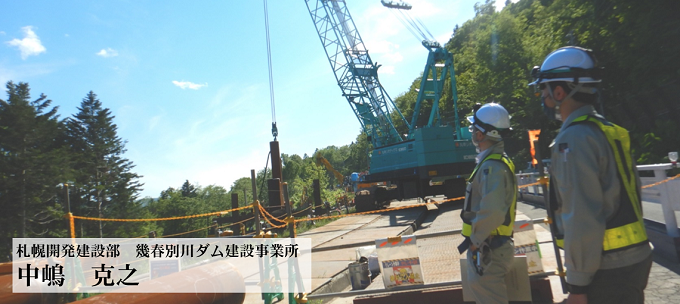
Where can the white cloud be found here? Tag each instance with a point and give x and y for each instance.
(108, 52)
(381, 46)
(67, 35)
(30, 45)
(153, 122)
(500, 4)
(424, 8)
(444, 38)
(188, 85)
(2, 33)
(387, 70)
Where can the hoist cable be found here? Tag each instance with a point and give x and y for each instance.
(269, 62)
(425, 28)
(414, 24)
(403, 22)
(409, 23)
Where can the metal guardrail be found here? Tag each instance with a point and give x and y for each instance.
(528, 179)
(668, 194)
(658, 189)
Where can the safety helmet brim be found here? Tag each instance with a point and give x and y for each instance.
(491, 119)
(568, 64)
(565, 79)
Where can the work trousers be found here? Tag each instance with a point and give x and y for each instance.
(490, 288)
(621, 285)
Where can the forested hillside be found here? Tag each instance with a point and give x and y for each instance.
(637, 42)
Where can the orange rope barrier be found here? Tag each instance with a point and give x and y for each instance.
(181, 233)
(264, 214)
(160, 219)
(661, 182)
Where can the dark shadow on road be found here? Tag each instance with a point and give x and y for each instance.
(668, 264)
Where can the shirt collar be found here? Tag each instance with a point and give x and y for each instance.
(497, 148)
(584, 110)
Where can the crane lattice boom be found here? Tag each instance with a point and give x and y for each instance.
(355, 72)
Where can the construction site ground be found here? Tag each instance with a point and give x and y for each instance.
(334, 246)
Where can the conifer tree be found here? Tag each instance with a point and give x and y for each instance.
(33, 160)
(105, 183)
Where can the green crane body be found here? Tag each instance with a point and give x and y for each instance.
(431, 159)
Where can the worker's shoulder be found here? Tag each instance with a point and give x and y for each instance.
(579, 133)
(493, 165)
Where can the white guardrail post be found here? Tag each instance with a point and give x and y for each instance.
(664, 196)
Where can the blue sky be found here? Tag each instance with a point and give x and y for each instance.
(188, 81)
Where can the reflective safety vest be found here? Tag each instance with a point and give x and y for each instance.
(626, 229)
(504, 229)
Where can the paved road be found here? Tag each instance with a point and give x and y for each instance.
(664, 279)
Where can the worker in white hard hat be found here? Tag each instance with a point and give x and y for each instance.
(594, 186)
(489, 211)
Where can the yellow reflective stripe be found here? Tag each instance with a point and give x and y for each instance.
(633, 233)
(613, 133)
(502, 230)
(495, 156)
(467, 230)
(628, 178)
(619, 237)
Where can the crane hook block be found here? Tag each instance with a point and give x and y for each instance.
(275, 131)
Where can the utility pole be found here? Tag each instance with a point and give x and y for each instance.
(256, 207)
(289, 210)
(572, 37)
(99, 200)
(68, 197)
(101, 235)
(23, 203)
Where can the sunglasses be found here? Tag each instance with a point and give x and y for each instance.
(540, 87)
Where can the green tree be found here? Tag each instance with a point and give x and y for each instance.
(176, 203)
(241, 186)
(173, 204)
(292, 167)
(105, 185)
(358, 154)
(188, 190)
(33, 160)
(214, 197)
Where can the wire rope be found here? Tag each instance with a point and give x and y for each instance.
(269, 65)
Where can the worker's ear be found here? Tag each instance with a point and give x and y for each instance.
(479, 134)
(482, 137)
(559, 93)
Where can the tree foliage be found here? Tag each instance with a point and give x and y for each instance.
(33, 161)
(635, 41)
(105, 185)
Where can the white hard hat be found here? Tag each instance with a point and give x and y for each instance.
(492, 119)
(570, 64)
